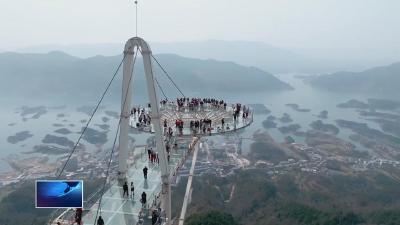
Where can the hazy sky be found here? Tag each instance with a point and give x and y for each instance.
(339, 24)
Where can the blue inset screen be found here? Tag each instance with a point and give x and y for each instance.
(59, 194)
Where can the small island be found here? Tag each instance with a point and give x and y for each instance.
(292, 128)
(392, 127)
(18, 137)
(388, 122)
(324, 127)
(286, 118)
(383, 104)
(297, 108)
(103, 126)
(62, 141)
(381, 115)
(372, 103)
(93, 136)
(35, 111)
(354, 104)
(268, 123)
(372, 134)
(63, 131)
(323, 114)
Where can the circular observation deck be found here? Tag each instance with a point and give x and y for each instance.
(194, 117)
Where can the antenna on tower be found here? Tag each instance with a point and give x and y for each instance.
(136, 5)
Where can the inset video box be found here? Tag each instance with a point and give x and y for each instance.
(59, 194)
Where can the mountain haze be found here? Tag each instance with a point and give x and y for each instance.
(249, 53)
(378, 80)
(59, 74)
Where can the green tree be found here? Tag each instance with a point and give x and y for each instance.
(211, 218)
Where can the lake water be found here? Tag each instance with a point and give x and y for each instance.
(303, 95)
(306, 97)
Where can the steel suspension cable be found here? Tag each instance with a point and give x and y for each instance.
(114, 143)
(168, 76)
(91, 117)
(159, 86)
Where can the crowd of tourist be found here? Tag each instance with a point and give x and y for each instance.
(195, 103)
(153, 156)
(144, 118)
(198, 103)
(205, 125)
(236, 112)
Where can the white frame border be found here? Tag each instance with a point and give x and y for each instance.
(36, 181)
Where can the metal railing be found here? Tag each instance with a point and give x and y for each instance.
(67, 216)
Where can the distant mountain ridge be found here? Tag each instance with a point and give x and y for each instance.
(378, 80)
(248, 53)
(274, 59)
(59, 74)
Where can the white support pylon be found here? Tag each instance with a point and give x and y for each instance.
(155, 117)
(126, 99)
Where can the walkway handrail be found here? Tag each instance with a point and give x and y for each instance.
(189, 184)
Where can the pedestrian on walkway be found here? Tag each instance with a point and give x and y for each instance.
(143, 200)
(78, 216)
(154, 217)
(132, 190)
(125, 188)
(149, 152)
(100, 221)
(145, 172)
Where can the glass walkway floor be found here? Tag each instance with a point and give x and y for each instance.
(117, 209)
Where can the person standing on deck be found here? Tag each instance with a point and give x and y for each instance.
(125, 188)
(154, 217)
(100, 221)
(149, 152)
(78, 216)
(132, 190)
(143, 200)
(145, 172)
